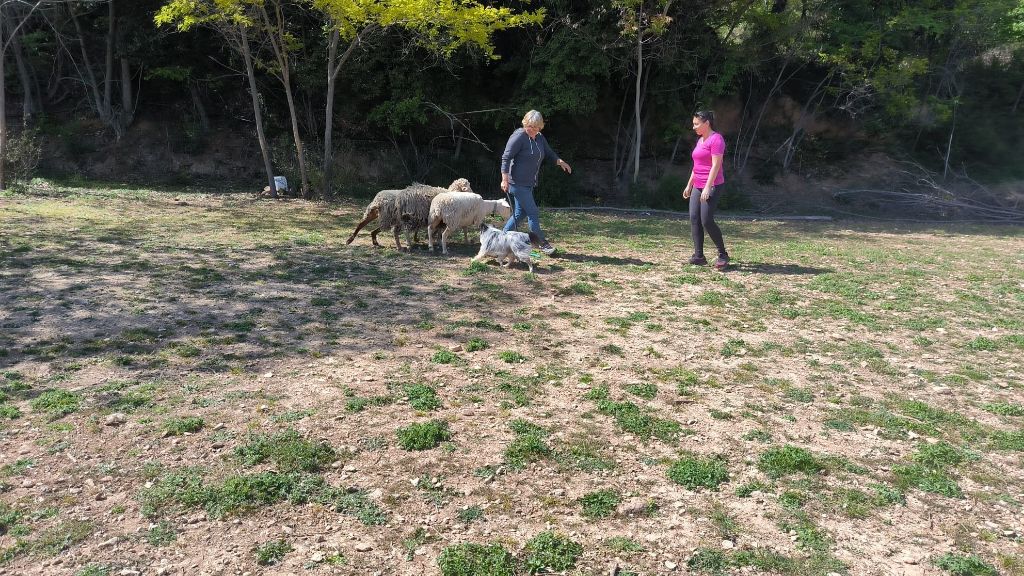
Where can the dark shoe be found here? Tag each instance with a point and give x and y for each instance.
(698, 260)
(722, 263)
(547, 248)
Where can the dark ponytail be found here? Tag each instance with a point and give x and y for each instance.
(706, 116)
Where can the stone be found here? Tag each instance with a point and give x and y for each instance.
(670, 565)
(115, 419)
(633, 507)
(728, 544)
(363, 547)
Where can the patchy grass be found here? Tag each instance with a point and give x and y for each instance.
(599, 504)
(693, 472)
(841, 369)
(424, 435)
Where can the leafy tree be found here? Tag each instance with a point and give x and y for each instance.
(440, 26)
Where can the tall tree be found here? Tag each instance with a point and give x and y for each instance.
(440, 26)
(233, 20)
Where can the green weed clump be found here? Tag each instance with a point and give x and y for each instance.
(424, 436)
(162, 534)
(288, 451)
(1009, 440)
(421, 397)
(647, 390)
(693, 472)
(785, 460)
(474, 344)
(528, 446)
(630, 418)
(246, 492)
(551, 552)
(708, 560)
(600, 504)
(359, 403)
(57, 403)
(476, 560)
(961, 565)
(272, 552)
(1004, 408)
(445, 357)
(182, 426)
(511, 356)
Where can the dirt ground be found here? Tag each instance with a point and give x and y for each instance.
(861, 343)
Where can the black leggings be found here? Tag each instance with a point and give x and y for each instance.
(702, 219)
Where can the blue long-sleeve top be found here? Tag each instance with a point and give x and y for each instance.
(523, 156)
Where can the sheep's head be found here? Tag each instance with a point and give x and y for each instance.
(460, 185)
(504, 210)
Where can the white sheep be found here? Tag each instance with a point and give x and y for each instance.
(390, 206)
(456, 210)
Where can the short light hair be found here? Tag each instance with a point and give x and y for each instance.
(533, 118)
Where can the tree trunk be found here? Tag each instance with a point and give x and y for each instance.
(30, 104)
(197, 102)
(637, 101)
(295, 133)
(3, 106)
(332, 76)
(89, 78)
(275, 34)
(108, 68)
(1016, 103)
(334, 64)
(257, 114)
(127, 100)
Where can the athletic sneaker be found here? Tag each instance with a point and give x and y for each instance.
(722, 263)
(698, 260)
(547, 248)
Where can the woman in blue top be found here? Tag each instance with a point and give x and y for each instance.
(520, 165)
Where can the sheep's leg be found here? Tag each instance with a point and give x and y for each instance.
(430, 236)
(373, 236)
(398, 245)
(444, 239)
(370, 216)
(408, 240)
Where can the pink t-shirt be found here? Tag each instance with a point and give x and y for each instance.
(713, 145)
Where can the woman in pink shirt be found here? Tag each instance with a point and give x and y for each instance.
(705, 179)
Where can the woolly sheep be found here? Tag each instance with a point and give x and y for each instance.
(456, 210)
(390, 205)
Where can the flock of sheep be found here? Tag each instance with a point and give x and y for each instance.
(420, 206)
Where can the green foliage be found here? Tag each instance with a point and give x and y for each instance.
(57, 403)
(647, 390)
(550, 551)
(288, 451)
(474, 344)
(629, 417)
(708, 560)
(788, 459)
(161, 534)
(421, 396)
(600, 504)
(272, 552)
(424, 436)
(693, 472)
(476, 560)
(22, 152)
(511, 356)
(182, 426)
(1004, 408)
(445, 357)
(961, 565)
